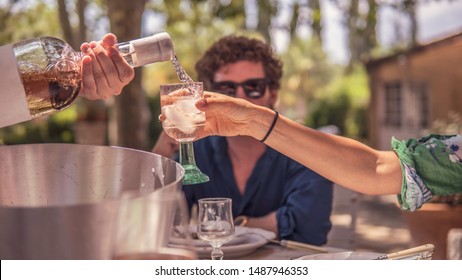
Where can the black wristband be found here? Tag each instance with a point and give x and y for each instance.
(271, 127)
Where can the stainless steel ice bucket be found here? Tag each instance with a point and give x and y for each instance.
(61, 201)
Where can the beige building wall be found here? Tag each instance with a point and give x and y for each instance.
(437, 67)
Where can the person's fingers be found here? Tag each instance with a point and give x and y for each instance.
(88, 90)
(212, 101)
(124, 70)
(209, 94)
(109, 40)
(106, 74)
(84, 48)
(226, 116)
(104, 71)
(203, 103)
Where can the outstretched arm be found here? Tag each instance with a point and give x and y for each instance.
(344, 161)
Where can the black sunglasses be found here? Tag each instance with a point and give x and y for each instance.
(253, 88)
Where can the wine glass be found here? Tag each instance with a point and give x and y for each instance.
(182, 122)
(215, 223)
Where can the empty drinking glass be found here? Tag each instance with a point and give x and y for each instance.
(215, 223)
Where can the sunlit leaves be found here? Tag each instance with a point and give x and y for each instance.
(24, 22)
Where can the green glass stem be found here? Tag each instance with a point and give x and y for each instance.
(192, 173)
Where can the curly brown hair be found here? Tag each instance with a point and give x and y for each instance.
(231, 49)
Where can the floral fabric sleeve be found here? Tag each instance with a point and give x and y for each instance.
(431, 165)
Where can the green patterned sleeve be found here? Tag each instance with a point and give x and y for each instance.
(431, 165)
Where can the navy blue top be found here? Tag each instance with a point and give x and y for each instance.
(301, 197)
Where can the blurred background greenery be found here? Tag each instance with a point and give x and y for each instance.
(316, 90)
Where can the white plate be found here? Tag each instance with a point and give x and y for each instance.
(245, 242)
(239, 238)
(342, 256)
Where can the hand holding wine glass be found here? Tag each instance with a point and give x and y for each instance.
(215, 223)
(182, 122)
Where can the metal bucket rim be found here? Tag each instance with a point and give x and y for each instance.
(106, 200)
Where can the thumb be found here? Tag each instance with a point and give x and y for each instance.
(201, 104)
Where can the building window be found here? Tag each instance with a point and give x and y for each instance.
(422, 99)
(393, 101)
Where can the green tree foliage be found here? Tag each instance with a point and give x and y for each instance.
(318, 93)
(306, 71)
(313, 90)
(21, 20)
(316, 19)
(343, 103)
(266, 11)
